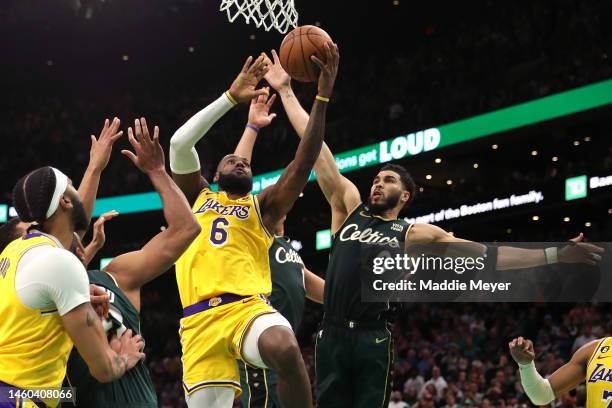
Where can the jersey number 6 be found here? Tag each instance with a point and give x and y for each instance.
(218, 233)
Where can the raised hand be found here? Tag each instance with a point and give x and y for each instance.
(102, 147)
(276, 76)
(99, 236)
(149, 155)
(243, 87)
(259, 112)
(521, 350)
(329, 69)
(579, 251)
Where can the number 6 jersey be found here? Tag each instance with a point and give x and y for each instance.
(231, 253)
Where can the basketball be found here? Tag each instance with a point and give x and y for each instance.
(297, 48)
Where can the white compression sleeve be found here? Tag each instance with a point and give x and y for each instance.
(183, 156)
(538, 389)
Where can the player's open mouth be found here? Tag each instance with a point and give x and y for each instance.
(376, 194)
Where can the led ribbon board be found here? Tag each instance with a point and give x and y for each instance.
(529, 113)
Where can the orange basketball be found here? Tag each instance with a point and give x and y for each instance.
(297, 48)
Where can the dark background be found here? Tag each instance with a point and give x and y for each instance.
(405, 66)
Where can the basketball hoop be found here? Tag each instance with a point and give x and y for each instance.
(278, 14)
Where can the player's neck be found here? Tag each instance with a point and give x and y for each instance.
(60, 231)
(390, 214)
(234, 196)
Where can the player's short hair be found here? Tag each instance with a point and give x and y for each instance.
(405, 178)
(9, 233)
(33, 193)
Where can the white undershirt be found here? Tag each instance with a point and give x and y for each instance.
(48, 277)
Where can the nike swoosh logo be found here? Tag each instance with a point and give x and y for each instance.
(378, 341)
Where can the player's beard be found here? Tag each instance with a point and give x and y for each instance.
(235, 183)
(79, 218)
(390, 202)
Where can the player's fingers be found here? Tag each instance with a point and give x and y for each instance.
(270, 100)
(132, 139)
(271, 117)
(275, 57)
(261, 99)
(138, 130)
(130, 156)
(106, 124)
(579, 238)
(93, 140)
(116, 136)
(245, 67)
(592, 248)
(256, 65)
(317, 61)
(253, 101)
(145, 130)
(260, 91)
(112, 129)
(156, 134)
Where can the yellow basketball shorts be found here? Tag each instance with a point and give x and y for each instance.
(212, 341)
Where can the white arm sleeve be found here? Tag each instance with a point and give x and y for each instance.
(538, 389)
(183, 156)
(51, 277)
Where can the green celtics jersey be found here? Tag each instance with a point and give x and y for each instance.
(135, 389)
(362, 236)
(288, 290)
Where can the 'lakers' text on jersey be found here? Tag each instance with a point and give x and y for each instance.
(361, 235)
(599, 376)
(231, 253)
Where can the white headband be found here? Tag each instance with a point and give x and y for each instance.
(61, 183)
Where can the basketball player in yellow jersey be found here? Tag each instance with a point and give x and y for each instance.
(592, 362)
(44, 296)
(224, 276)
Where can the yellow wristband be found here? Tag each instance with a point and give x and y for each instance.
(231, 98)
(322, 99)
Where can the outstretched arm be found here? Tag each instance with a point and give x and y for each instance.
(277, 200)
(507, 257)
(184, 160)
(99, 155)
(542, 391)
(340, 192)
(259, 118)
(134, 269)
(314, 286)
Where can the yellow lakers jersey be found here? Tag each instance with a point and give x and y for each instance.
(34, 346)
(231, 253)
(599, 376)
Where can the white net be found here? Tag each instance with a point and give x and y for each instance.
(278, 14)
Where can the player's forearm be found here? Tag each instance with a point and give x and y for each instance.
(536, 387)
(246, 144)
(176, 209)
(314, 285)
(325, 167)
(518, 258)
(310, 145)
(183, 156)
(116, 366)
(90, 252)
(88, 190)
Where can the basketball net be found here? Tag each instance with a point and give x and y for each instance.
(278, 14)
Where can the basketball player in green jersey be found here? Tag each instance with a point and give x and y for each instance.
(291, 280)
(354, 347)
(123, 277)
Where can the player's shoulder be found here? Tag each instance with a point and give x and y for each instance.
(584, 353)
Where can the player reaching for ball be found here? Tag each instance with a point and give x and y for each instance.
(354, 348)
(591, 362)
(224, 276)
(44, 294)
(127, 273)
(291, 280)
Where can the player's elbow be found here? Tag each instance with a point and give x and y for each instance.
(102, 372)
(192, 230)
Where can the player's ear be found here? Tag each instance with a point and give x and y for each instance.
(65, 202)
(216, 177)
(405, 197)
